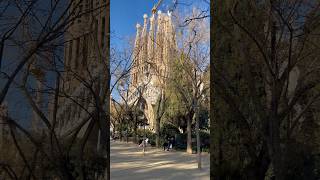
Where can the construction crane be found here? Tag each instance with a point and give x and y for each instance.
(155, 7)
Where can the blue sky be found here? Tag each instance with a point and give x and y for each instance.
(125, 14)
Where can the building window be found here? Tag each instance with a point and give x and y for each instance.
(96, 29)
(70, 53)
(103, 31)
(84, 51)
(146, 68)
(65, 52)
(136, 78)
(87, 4)
(79, 111)
(83, 100)
(59, 121)
(77, 53)
(80, 13)
(69, 114)
(88, 100)
(80, 8)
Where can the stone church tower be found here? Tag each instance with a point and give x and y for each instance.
(154, 48)
(84, 61)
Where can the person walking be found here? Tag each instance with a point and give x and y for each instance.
(165, 145)
(169, 144)
(140, 142)
(143, 142)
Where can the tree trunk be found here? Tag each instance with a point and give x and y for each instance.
(198, 137)
(144, 137)
(120, 130)
(259, 166)
(275, 152)
(159, 113)
(274, 122)
(127, 135)
(189, 138)
(114, 129)
(135, 130)
(157, 129)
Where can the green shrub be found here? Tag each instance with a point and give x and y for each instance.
(149, 134)
(205, 141)
(168, 130)
(181, 142)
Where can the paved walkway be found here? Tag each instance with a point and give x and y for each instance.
(128, 163)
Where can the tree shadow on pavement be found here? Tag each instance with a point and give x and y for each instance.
(128, 162)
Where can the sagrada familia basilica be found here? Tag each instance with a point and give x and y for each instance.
(84, 59)
(154, 48)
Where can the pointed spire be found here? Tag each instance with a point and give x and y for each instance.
(144, 39)
(151, 40)
(135, 58)
(159, 40)
(166, 40)
(137, 45)
(171, 32)
(145, 23)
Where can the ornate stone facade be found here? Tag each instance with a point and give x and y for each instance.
(84, 56)
(153, 49)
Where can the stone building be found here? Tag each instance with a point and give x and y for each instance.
(153, 50)
(84, 62)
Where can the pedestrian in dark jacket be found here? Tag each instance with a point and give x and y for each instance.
(165, 145)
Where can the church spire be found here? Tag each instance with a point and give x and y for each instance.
(135, 58)
(159, 40)
(151, 40)
(137, 45)
(173, 42)
(143, 40)
(143, 54)
(166, 43)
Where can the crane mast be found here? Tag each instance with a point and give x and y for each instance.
(155, 7)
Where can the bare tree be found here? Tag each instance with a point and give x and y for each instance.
(40, 59)
(193, 61)
(279, 62)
